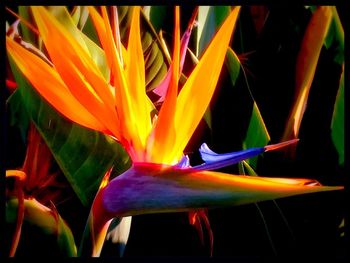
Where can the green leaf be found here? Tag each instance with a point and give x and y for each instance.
(335, 36)
(80, 15)
(48, 221)
(82, 154)
(337, 124)
(209, 20)
(245, 169)
(156, 64)
(157, 16)
(207, 118)
(75, 14)
(65, 237)
(256, 134)
(18, 115)
(233, 65)
(27, 34)
(89, 30)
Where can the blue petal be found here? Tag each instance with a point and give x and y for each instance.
(214, 160)
(184, 162)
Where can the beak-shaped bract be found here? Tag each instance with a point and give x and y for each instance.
(151, 188)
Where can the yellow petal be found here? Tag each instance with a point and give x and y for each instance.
(101, 31)
(161, 141)
(196, 94)
(132, 104)
(136, 80)
(124, 103)
(77, 69)
(49, 84)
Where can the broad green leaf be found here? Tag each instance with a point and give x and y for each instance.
(157, 16)
(336, 35)
(156, 64)
(80, 15)
(75, 14)
(18, 116)
(82, 154)
(338, 120)
(27, 34)
(209, 20)
(203, 12)
(233, 65)
(245, 169)
(65, 237)
(48, 221)
(207, 118)
(256, 134)
(89, 30)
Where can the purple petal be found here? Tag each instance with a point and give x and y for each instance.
(215, 161)
(162, 88)
(184, 162)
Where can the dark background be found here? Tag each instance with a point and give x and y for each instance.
(299, 226)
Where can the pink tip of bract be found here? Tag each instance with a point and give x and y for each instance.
(280, 145)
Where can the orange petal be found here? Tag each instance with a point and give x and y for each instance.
(20, 175)
(161, 141)
(135, 70)
(198, 90)
(101, 31)
(96, 53)
(49, 84)
(124, 103)
(307, 60)
(132, 104)
(77, 69)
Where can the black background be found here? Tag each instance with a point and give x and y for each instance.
(241, 232)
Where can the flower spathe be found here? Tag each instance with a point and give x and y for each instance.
(174, 189)
(114, 102)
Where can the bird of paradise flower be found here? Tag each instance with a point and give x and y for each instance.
(114, 102)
